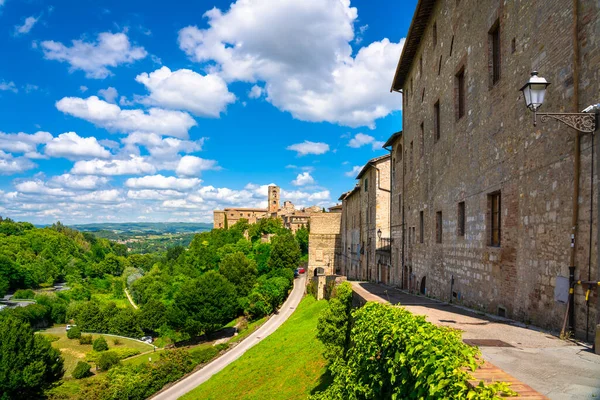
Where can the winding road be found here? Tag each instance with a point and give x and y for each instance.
(199, 377)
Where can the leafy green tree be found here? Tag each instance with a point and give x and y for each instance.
(143, 262)
(4, 285)
(334, 323)
(82, 370)
(261, 253)
(74, 333)
(302, 239)
(125, 323)
(153, 315)
(118, 288)
(265, 226)
(205, 304)
(28, 363)
(240, 271)
(100, 344)
(107, 360)
(174, 252)
(285, 252)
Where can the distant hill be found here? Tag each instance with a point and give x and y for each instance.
(145, 228)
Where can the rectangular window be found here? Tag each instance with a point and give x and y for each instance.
(436, 121)
(461, 219)
(422, 140)
(421, 65)
(494, 52)
(434, 34)
(421, 227)
(366, 184)
(411, 154)
(400, 202)
(438, 227)
(495, 205)
(460, 94)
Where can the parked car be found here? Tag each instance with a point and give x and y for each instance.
(301, 270)
(296, 274)
(147, 339)
(68, 328)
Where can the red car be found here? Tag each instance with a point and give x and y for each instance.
(301, 270)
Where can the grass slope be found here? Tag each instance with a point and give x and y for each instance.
(286, 365)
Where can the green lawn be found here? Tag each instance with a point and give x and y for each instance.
(72, 351)
(286, 365)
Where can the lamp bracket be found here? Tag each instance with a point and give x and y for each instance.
(583, 122)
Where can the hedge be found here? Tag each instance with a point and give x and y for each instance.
(397, 355)
(120, 352)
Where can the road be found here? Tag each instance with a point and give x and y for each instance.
(199, 377)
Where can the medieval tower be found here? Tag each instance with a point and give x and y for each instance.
(273, 206)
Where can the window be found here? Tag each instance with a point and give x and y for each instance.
(411, 85)
(421, 65)
(421, 227)
(422, 140)
(440, 66)
(451, 44)
(434, 34)
(436, 121)
(460, 94)
(399, 202)
(513, 45)
(461, 219)
(495, 204)
(411, 155)
(423, 95)
(438, 227)
(366, 184)
(494, 53)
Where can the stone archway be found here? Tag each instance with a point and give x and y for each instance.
(423, 283)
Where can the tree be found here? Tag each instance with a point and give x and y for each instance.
(107, 360)
(240, 271)
(100, 344)
(302, 239)
(82, 370)
(74, 333)
(28, 363)
(334, 323)
(285, 252)
(205, 304)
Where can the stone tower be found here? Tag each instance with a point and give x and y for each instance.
(273, 206)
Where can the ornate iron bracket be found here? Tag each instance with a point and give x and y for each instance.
(583, 122)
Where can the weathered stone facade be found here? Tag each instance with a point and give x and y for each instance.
(324, 244)
(366, 224)
(469, 147)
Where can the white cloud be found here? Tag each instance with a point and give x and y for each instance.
(83, 89)
(303, 179)
(110, 196)
(71, 145)
(308, 147)
(27, 25)
(355, 170)
(39, 187)
(302, 51)
(162, 182)
(193, 166)
(162, 148)
(306, 197)
(23, 142)
(109, 94)
(78, 182)
(255, 92)
(94, 58)
(161, 195)
(8, 86)
(112, 117)
(202, 95)
(360, 139)
(14, 165)
(135, 165)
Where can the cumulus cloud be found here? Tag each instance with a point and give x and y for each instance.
(184, 89)
(302, 51)
(162, 182)
(303, 179)
(162, 148)
(360, 139)
(71, 145)
(308, 147)
(147, 194)
(255, 92)
(14, 165)
(193, 166)
(27, 26)
(78, 182)
(8, 86)
(112, 117)
(135, 165)
(355, 170)
(100, 196)
(23, 142)
(39, 187)
(94, 58)
(109, 94)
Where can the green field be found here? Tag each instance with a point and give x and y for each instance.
(72, 351)
(286, 365)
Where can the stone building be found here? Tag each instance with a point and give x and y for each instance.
(365, 224)
(482, 200)
(324, 244)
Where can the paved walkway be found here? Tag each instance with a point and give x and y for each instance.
(556, 368)
(199, 377)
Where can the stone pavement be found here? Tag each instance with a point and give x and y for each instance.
(555, 368)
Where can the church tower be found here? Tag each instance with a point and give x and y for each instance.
(273, 206)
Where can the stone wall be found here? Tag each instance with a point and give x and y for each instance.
(494, 148)
(324, 243)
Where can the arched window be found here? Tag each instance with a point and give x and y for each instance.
(399, 153)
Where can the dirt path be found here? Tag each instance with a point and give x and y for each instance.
(130, 299)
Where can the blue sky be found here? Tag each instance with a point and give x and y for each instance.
(146, 111)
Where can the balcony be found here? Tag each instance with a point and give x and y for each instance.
(384, 245)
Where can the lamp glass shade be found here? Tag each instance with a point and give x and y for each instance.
(534, 91)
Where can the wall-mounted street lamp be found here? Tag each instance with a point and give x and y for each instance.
(379, 234)
(534, 92)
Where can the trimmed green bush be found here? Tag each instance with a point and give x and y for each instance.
(116, 341)
(51, 338)
(85, 339)
(107, 360)
(122, 353)
(394, 354)
(100, 344)
(24, 294)
(82, 370)
(74, 333)
(205, 354)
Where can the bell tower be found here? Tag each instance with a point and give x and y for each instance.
(273, 206)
